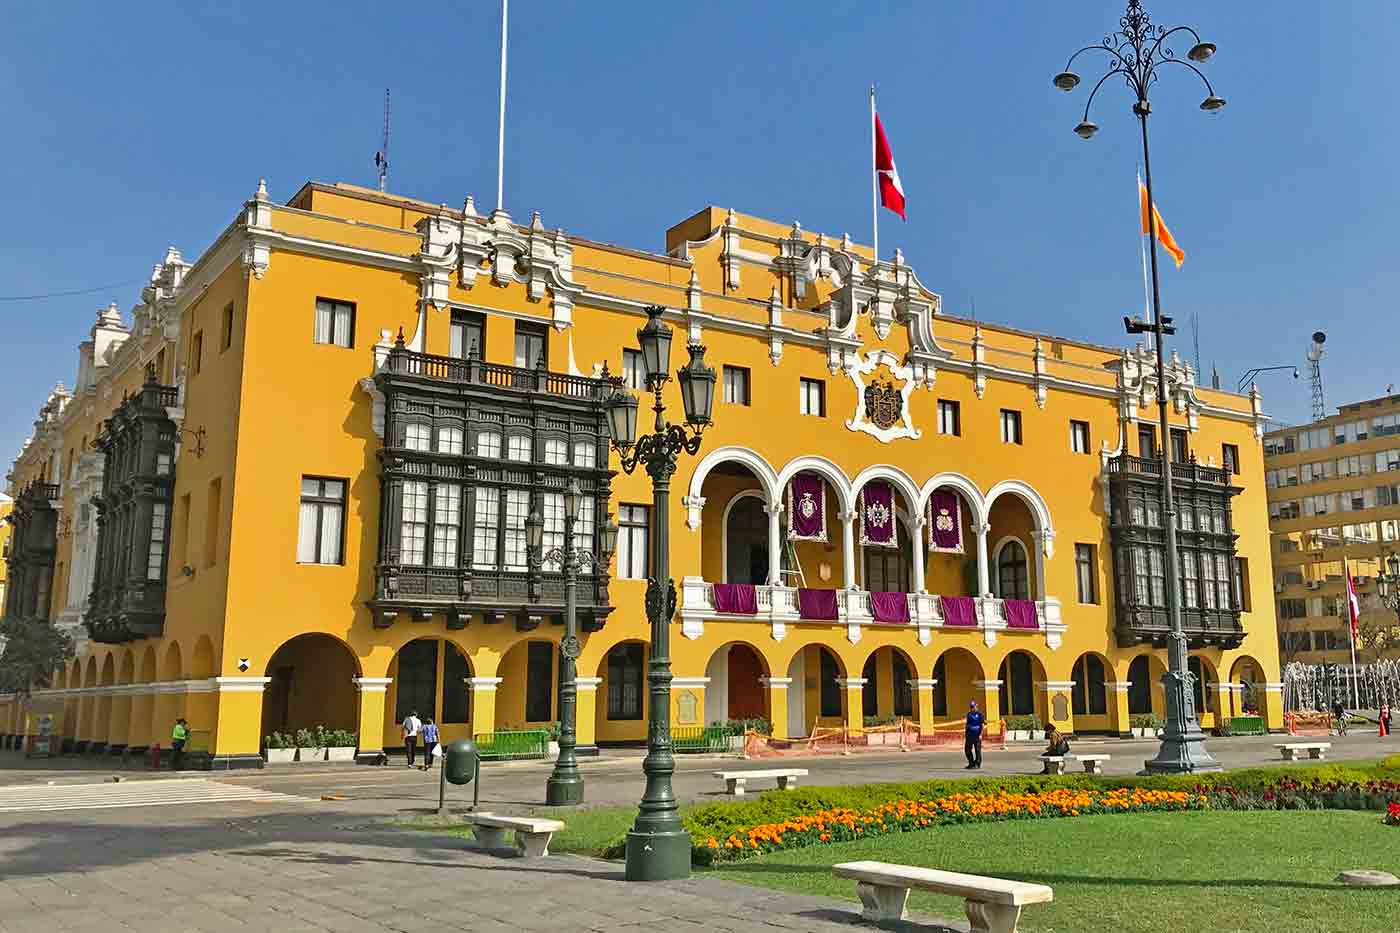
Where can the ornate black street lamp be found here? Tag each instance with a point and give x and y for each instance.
(565, 785)
(658, 846)
(1388, 584)
(1135, 53)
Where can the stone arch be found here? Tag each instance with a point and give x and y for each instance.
(172, 665)
(524, 685)
(895, 477)
(126, 668)
(90, 678)
(147, 670)
(429, 675)
(887, 692)
(1033, 500)
(312, 683)
(75, 674)
(760, 468)
(1090, 696)
(1000, 588)
(726, 515)
(620, 714)
(735, 690)
(1021, 674)
(1204, 689)
(957, 672)
(108, 675)
(965, 487)
(1247, 678)
(202, 660)
(833, 474)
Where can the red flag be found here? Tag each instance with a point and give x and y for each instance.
(1353, 604)
(891, 192)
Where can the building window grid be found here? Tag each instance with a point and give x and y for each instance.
(736, 385)
(634, 373)
(812, 397)
(486, 527)
(418, 436)
(949, 417)
(447, 523)
(585, 454)
(1010, 426)
(413, 526)
(517, 509)
(321, 522)
(488, 444)
(451, 440)
(335, 323)
(155, 559)
(633, 557)
(518, 448)
(1079, 437)
(1086, 568)
(1230, 459)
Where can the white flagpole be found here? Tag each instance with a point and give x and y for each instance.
(1351, 626)
(874, 181)
(501, 135)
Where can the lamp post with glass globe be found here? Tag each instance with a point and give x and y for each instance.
(1388, 584)
(565, 784)
(658, 846)
(1135, 52)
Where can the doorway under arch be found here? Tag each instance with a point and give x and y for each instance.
(735, 689)
(1019, 673)
(313, 683)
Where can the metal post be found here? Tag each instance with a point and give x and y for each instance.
(565, 785)
(442, 787)
(1183, 744)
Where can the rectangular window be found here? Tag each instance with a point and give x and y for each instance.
(583, 530)
(319, 538)
(634, 372)
(418, 436)
(812, 397)
(447, 523)
(1079, 437)
(633, 525)
(468, 335)
(488, 444)
(335, 323)
(539, 682)
(1010, 426)
(450, 440)
(1086, 571)
(1387, 460)
(585, 454)
(197, 353)
(531, 346)
(949, 417)
(625, 682)
(830, 689)
(517, 510)
(163, 464)
(486, 527)
(736, 385)
(552, 505)
(1230, 459)
(1190, 580)
(518, 448)
(413, 526)
(1158, 572)
(456, 699)
(1180, 450)
(226, 329)
(1242, 583)
(556, 452)
(155, 557)
(1147, 442)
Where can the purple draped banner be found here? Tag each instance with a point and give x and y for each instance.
(890, 607)
(807, 508)
(959, 610)
(737, 598)
(877, 515)
(944, 523)
(1020, 613)
(817, 605)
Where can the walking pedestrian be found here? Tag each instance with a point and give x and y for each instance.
(1385, 719)
(972, 737)
(430, 743)
(178, 737)
(411, 727)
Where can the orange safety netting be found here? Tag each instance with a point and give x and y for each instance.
(903, 735)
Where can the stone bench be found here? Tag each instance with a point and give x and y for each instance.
(734, 780)
(1093, 764)
(531, 835)
(1290, 750)
(993, 904)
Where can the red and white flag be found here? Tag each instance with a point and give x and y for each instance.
(891, 192)
(1353, 605)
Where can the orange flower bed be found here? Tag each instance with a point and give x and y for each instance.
(902, 816)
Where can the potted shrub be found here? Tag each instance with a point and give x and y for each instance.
(340, 744)
(553, 730)
(279, 749)
(1145, 725)
(1018, 728)
(310, 744)
(1037, 730)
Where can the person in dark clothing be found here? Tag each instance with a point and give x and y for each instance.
(972, 737)
(1339, 713)
(1057, 747)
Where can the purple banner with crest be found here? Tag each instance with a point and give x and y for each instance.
(944, 523)
(807, 508)
(877, 515)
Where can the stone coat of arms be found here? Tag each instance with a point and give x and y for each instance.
(884, 405)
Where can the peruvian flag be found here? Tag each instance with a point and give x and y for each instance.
(891, 191)
(1353, 605)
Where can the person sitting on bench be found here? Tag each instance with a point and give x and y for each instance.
(1058, 746)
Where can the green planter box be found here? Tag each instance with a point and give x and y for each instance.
(1247, 725)
(522, 743)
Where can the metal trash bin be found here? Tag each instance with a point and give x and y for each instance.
(461, 764)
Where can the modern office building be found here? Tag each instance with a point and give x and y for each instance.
(290, 487)
(1334, 496)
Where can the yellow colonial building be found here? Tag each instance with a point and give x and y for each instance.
(290, 488)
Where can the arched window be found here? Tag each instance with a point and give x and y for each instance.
(417, 679)
(1013, 575)
(746, 542)
(903, 691)
(1089, 693)
(1017, 693)
(1140, 693)
(625, 681)
(940, 688)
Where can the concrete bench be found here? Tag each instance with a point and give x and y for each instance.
(531, 835)
(993, 904)
(1291, 750)
(734, 780)
(1093, 764)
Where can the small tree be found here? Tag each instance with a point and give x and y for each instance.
(33, 649)
(1379, 635)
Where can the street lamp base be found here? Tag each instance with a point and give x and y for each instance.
(1182, 755)
(658, 856)
(565, 792)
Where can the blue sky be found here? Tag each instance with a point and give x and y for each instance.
(131, 128)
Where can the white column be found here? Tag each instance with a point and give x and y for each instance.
(919, 554)
(848, 548)
(984, 572)
(587, 684)
(775, 543)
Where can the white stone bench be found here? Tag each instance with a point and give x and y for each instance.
(1290, 750)
(1093, 764)
(734, 780)
(531, 835)
(993, 904)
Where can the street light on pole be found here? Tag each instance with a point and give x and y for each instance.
(565, 784)
(658, 846)
(1135, 52)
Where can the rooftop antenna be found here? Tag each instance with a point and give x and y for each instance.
(1319, 408)
(381, 158)
(1196, 339)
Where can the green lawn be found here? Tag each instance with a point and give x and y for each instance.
(586, 831)
(1225, 872)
